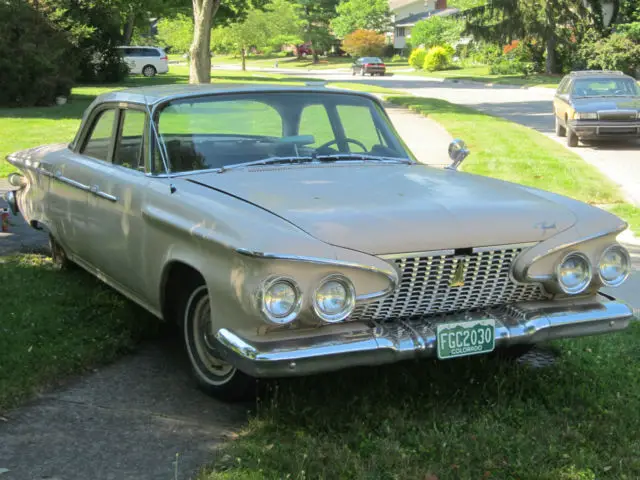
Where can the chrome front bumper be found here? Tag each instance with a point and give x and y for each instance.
(348, 345)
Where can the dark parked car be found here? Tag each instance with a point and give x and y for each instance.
(597, 104)
(370, 65)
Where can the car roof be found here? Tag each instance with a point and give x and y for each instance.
(153, 95)
(598, 74)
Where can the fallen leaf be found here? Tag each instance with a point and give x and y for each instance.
(606, 469)
(5, 470)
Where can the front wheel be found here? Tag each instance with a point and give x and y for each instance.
(213, 375)
(572, 138)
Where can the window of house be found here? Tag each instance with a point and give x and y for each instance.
(97, 145)
(400, 32)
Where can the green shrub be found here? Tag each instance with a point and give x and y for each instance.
(36, 61)
(416, 59)
(397, 58)
(508, 66)
(437, 58)
(617, 52)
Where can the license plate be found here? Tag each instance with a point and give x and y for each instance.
(465, 338)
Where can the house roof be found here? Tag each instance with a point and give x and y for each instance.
(411, 20)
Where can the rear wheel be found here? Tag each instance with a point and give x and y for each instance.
(213, 375)
(560, 130)
(58, 255)
(149, 71)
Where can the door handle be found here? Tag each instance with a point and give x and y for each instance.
(95, 189)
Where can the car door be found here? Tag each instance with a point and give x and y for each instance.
(561, 101)
(115, 227)
(70, 177)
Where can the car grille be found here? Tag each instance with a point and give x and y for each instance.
(618, 116)
(431, 285)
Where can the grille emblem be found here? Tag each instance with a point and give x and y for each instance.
(457, 280)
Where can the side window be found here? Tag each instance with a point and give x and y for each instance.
(315, 121)
(129, 150)
(358, 124)
(97, 145)
(151, 52)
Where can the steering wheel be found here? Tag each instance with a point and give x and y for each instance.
(346, 139)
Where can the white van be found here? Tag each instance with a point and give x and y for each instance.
(145, 60)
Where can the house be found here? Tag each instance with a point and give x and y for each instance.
(406, 13)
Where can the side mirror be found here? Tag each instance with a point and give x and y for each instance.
(457, 153)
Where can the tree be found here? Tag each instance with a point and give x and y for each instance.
(204, 12)
(364, 43)
(361, 15)
(547, 21)
(176, 32)
(317, 16)
(436, 31)
(278, 23)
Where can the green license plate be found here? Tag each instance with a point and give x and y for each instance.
(465, 338)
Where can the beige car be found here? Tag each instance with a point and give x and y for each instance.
(289, 231)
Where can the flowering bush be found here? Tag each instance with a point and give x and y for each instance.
(416, 59)
(437, 58)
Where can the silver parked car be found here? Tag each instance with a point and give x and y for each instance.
(289, 231)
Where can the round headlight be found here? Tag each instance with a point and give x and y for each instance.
(615, 266)
(334, 299)
(281, 300)
(574, 273)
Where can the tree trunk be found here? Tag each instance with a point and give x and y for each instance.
(316, 59)
(244, 59)
(550, 64)
(127, 34)
(199, 53)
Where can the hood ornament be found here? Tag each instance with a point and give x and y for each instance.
(457, 153)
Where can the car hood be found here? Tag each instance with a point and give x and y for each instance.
(380, 209)
(606, 103)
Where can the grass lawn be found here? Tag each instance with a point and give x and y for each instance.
(631, 214)
(73, 322)
(481, 74)
(467, 419)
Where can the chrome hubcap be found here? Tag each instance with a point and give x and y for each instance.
(205, 341)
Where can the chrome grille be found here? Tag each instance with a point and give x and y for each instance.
(618, 115)
(427, 285)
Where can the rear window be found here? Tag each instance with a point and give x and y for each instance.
(372, 60)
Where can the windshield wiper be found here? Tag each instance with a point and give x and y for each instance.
(267, 161)
(336, 157)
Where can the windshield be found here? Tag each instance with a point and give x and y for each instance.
(224, 130)
(605, 87)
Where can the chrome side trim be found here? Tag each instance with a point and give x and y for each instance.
(80, 186)
(390, 274)
(563, 246)
(333, 347)
(105, 195)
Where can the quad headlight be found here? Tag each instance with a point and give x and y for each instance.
(586, 116)
(334, 299)
(574, 273)
(280, 300)
(614, 266)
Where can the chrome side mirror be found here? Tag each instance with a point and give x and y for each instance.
(457, 153)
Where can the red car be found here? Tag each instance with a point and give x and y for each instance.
(371, 65)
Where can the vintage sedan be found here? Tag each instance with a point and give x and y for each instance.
(289, 231)
(597, 105)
